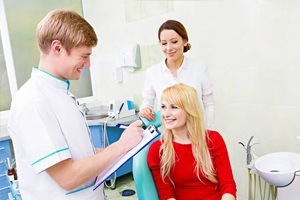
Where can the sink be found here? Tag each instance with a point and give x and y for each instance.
(97, 113)
(96, 116)
(278, 168)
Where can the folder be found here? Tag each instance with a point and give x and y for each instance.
(149, 134)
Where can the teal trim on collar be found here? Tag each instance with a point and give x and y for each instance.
(66, 81)
(78, 190)
(49, 155)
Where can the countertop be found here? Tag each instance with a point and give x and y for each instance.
(113, 122)
(4, 135)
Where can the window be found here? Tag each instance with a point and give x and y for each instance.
(5, 96)
(18, 21)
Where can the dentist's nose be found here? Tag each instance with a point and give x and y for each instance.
(87, 63)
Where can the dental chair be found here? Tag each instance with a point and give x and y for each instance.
(142, 176)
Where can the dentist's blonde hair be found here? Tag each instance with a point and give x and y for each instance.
(186, 98)
(67, 26)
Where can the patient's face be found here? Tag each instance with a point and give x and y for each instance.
(173, 116)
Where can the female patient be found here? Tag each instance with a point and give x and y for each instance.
(189, 162)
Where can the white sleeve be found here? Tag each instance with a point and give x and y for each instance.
(209, 110)
(207, 86)
(148, 92)
(41, 136)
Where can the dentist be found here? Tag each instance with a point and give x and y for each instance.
(54, 154)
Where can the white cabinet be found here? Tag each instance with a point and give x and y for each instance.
(291, 191)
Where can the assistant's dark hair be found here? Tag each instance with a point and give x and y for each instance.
(178, 28)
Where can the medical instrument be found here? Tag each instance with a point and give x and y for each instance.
(121, 108)
(11, 171)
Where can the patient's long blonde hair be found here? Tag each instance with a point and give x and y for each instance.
(186, 98)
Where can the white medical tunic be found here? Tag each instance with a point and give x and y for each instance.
(47, 127)
(191, 72)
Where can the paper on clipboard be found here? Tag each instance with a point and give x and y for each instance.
(148, 135)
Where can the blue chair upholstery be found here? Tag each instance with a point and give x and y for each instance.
(143, 180)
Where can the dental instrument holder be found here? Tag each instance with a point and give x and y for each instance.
(156, 122)
(248, 150)
(12, 178)
(14, 187)
(121, 108)
(250, 155)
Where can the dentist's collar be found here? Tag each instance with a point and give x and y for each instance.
(67, 82)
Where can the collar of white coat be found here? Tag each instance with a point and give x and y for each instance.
(64, 84)
(184, 65)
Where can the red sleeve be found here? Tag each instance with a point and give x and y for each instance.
(221, 162)
(164, 189)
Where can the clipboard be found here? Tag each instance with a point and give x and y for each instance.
(149, 134)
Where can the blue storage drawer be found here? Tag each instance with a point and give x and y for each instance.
(3, 181)
(5, 153)
(5, 150)
(4, 193)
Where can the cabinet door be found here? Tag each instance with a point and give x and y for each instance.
(96, 135)
(4, 154)
(4, 192)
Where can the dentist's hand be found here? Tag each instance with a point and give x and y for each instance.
(132, 135)
(148, 113)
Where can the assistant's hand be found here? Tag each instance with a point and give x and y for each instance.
(148, 113)
(132, 135)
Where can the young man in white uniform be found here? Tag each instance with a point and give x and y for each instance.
(54, 154)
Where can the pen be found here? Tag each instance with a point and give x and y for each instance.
(123, 126)
(120, 108)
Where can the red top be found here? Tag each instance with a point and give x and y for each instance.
(187, 185)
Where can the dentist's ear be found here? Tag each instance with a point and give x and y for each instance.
(56, 45)
(57, 49)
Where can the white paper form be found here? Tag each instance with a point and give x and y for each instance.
(148, 135)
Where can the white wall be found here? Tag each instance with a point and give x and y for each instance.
(252, 51)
